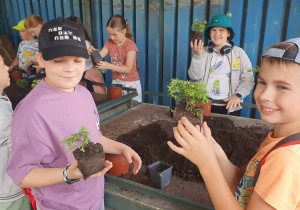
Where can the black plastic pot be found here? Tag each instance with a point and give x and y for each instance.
(160, 174)
(96, 57)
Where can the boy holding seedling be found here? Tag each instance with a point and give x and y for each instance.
(56, 108)
(11, 196)
(222, 66)
(27, 49)
(271, 179)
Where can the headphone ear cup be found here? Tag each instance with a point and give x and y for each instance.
(225, 50)
(210, 47)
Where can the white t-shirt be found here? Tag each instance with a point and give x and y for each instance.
(26, 52)
(219, 77)
(88, 62)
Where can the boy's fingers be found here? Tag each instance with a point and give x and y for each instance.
(178, 138)
(137, 164)
(191, 44)
(191, 131)
(175, 148)
(206, 130)
(197, 127)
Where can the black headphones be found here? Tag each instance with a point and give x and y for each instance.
(224, 50)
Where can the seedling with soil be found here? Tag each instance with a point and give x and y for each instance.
(90, 156)
(194, 94)
(197, 30)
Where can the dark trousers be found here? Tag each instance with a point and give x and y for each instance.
(223, 110)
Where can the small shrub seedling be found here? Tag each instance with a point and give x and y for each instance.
(77, 140)
(256, 69)
(34, 83)
(22, 83)
(198, 26)
(192, 92)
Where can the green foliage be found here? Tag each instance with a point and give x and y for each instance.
(102, 71)
(257, 69)
(198, 26)
(22, 83)
(192, 92)
(77, 140)
(35, 82)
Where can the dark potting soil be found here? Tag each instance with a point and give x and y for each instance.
(195, 35)
(92, 160)
(16, 93)
(239, 143)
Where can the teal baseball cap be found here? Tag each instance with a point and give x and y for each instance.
(220, 20)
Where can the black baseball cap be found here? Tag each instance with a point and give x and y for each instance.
(62, 37)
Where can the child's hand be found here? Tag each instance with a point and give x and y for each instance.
(196, 146)
(197, 47)
(102, 65)
(233, 101)
(10, 68)
(132, 157)
(74, 172)
(91, 49)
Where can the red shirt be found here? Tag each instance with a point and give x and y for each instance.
(118, 57)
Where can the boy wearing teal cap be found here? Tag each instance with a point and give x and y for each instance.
(222, 66)
(27, 48)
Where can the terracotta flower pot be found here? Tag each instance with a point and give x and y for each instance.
(115, 91)
(120, 164)
(16, 75)
(207, 108)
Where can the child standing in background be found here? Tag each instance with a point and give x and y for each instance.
(222, 66)
(90, 73)
(123, 55)
(27, 48)
(11, 196)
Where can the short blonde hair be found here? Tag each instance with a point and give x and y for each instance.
(33, 21)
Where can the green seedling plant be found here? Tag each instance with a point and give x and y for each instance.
(35, 82)
(22, 83)
(256, 69)
(77, 140)
(192, 92)
(198, 26)
(102, 71)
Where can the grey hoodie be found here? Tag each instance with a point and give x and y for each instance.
(241, 81)
(8, 190)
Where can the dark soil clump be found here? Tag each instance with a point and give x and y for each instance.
(92, 160)
(194, 35)
(150, 142)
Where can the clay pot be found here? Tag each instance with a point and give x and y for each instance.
(16, 75)
(120, 164)
(115, 91)
(207, 108)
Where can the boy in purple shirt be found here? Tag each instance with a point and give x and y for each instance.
(55, 109)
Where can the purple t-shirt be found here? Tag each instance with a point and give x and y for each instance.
(41, 120)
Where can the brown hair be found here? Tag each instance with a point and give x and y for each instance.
(119, 22)
(80, 24)
(33, 21)
(284, 46)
